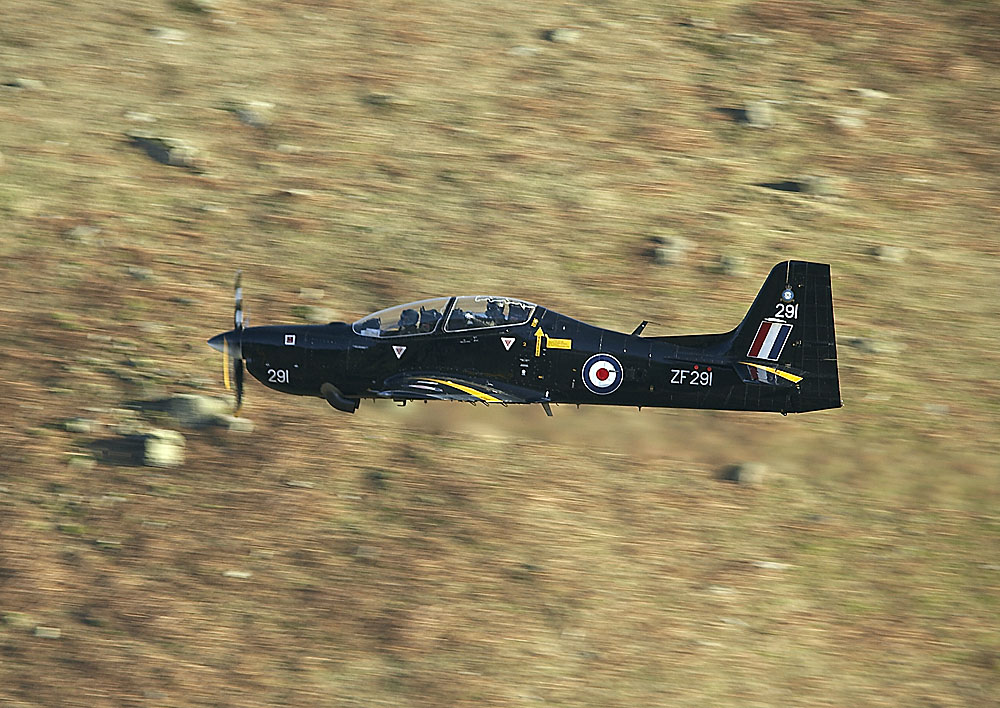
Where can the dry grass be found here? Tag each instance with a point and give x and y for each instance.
(449, 556)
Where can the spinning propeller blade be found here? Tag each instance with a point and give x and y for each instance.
(231, 345)
(239, 386)
(238, 293)
(239, 321)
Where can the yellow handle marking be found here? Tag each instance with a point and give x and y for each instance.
(471, 391)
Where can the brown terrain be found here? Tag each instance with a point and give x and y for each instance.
(614, 161)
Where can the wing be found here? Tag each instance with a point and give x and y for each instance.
(435, 386)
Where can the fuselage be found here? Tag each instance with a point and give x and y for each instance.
(548, 354)
(782, 356)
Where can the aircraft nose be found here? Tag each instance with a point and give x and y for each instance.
(227, 340)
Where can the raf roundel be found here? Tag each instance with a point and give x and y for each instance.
(602, 374)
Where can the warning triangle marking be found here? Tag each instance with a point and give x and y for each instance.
(508, 342)
(399, 350)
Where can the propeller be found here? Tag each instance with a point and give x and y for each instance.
(231, 346)
(239, 322)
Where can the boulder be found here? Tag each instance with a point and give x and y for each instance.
(746, 473)
(562, 35)
(670, 250)
(163, 448)
(168, 151)
(890, 254)
(759, 114)
(196, 411)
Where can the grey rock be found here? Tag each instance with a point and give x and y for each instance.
(747, 473)
(18, 620)
(152, 327)
(196, 411)
(772, 565)
(849, 120)
(847, 124)
(870, 93)
(296, 193)
(705, 23)
(721, 590)
(870, 345)
(47, 632)
(938, 409)
(163, 448)
(140, 272)
(238, 574)
(168, 151)
(139, 117)
(256, 114)
(168, 34)
(367, 554)
(730, 265)
(747, 38)
(234, 424)
(821, 185)
(523, 51)
(288, 149)
(82, 426)
(562, 35)
(385, 100)
(759, 114)
(313, 294)
(25, 84)
(670, 250)
(299, 484)
(81, 463)
(314, 314)
(82, 233)
(207, 7)
(890, 254)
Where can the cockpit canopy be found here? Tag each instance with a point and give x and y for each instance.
(462, 313)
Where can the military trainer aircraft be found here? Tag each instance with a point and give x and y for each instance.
(493, 349)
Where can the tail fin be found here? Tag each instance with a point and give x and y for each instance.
(787, 337)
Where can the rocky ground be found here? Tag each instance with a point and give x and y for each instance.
(614, 162)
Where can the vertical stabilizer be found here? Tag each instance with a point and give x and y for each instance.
(789, 330)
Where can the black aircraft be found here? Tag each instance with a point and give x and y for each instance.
(482, 348)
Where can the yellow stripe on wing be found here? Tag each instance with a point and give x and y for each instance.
(471, 391)
(777, 372)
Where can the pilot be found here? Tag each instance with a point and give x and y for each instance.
(517, 313)
(428, 319)
(371, 327)
(408, 319)
(494, 313)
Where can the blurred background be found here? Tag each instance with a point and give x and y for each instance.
(613, 161)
